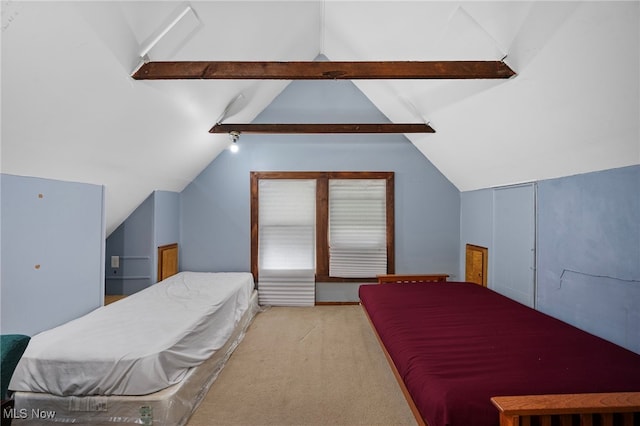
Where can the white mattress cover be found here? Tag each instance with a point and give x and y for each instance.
(140, 344)
(172, 406)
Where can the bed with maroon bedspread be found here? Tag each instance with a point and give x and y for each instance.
(455, 345)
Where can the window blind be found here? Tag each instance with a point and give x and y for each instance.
(357, 228)
(286, 249)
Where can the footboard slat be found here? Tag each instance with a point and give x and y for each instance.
(607, 409)
(565, 420)
(586, 419)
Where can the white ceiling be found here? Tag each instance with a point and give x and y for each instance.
(71, 111)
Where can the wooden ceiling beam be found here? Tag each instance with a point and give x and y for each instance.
(323, 128)
(323, 70)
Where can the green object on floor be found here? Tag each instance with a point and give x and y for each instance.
(12, 347)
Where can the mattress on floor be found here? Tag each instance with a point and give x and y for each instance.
(138, 345)
(169, 407)
(456, 345)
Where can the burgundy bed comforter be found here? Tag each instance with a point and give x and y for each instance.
(456, 345)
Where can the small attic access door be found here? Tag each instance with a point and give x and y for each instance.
(476, 260)
(167, 261)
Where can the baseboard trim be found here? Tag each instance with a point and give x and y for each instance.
(336, 303)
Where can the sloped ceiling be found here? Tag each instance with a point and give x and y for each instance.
(71, 111)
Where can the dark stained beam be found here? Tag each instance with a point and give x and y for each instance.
(324, 128)
(323, 70)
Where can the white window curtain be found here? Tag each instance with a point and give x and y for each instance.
(357, 228)
(286, 242)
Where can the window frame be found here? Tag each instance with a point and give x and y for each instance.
(322, 217)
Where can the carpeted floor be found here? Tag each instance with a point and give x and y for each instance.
(320, 365)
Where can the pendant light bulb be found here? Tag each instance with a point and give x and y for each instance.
(234, 141)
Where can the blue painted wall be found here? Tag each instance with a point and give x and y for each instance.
(476, 225)
(215, 221)
(502, 220)
(589, 252)
(514, 235)
(133, 242)
(52, 252)
(154, 223)
(588, 249)
(166, 223)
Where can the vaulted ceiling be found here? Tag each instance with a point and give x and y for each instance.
(72, 111)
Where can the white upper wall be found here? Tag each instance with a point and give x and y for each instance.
(574, 106)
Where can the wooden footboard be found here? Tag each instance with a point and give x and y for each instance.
(393, 278)
(606, 409)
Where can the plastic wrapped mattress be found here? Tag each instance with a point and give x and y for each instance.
(148, 358)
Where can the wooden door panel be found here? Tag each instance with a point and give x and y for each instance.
(476, 264)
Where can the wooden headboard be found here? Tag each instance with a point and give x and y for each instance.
(167, 261)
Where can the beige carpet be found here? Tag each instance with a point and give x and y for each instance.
(306, 366)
